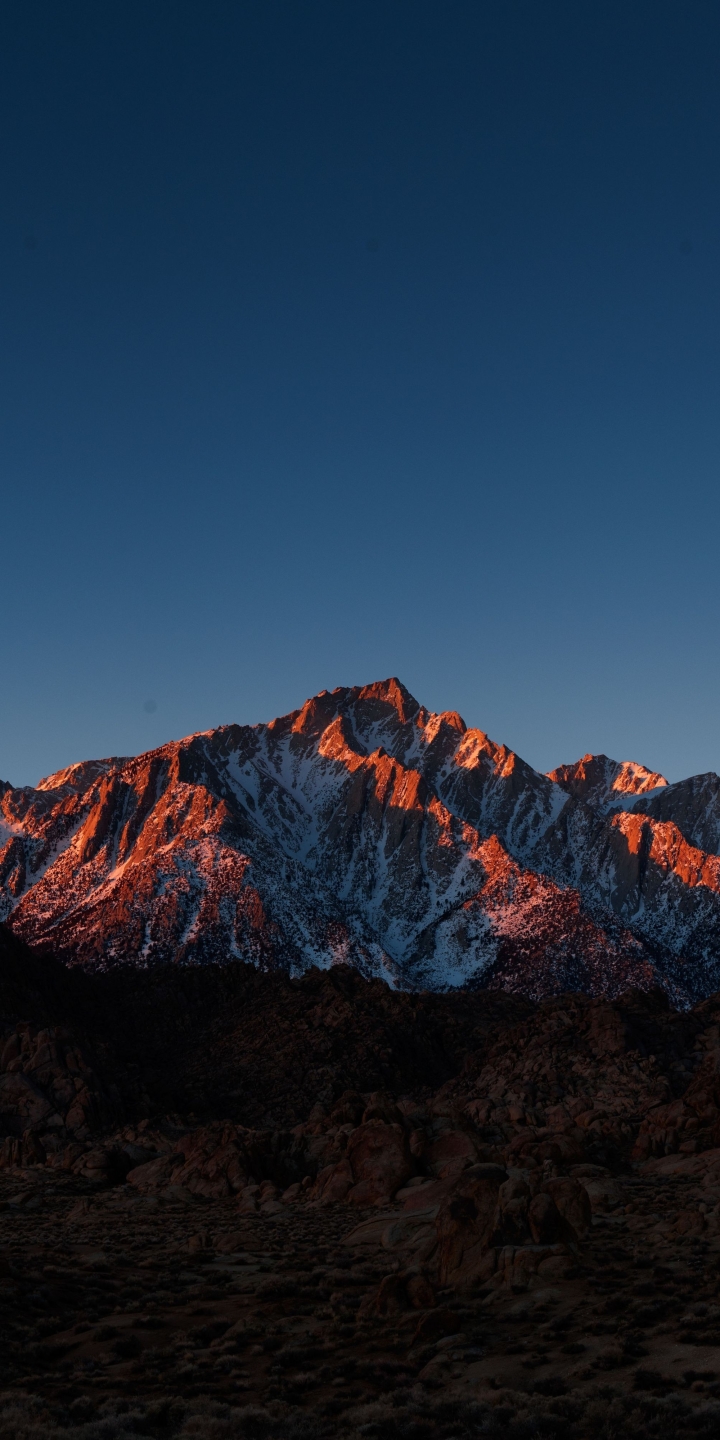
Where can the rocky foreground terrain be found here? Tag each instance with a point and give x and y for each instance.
(364, 830)
(237, 1204)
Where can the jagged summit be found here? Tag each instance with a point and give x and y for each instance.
(607, 784)
(364, 829)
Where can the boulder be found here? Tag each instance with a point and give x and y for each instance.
(410, 1290)
(511, 1223)
(436, 1326)
(334, 1183)
(518, 1267)
(573, 1203)
(155, 1174)
(544, 1219)
(451, 1152)
(379, 1157)
(381, 1106)
(348, 1110)
(389, 1299)
(466, 1224)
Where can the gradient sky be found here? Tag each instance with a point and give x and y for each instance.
(349, 338)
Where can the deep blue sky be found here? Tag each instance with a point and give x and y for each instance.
(347, 338)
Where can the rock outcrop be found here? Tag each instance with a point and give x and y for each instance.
(482, 1128)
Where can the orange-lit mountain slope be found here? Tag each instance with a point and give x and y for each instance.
(363, 828)
(608, 784)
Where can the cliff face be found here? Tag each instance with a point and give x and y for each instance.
(363, 829)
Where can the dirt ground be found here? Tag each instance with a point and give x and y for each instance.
(125, 1314)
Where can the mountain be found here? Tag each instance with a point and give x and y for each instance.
(364, 829)
(608, 784)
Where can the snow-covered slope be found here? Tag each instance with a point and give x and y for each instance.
(363, 828)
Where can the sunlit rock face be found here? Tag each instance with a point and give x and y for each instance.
(608, 784)
(364, 829)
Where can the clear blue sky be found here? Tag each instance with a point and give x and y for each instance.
(347, 338)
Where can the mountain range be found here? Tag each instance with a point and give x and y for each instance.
(363, 829)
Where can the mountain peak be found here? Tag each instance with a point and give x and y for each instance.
(391, 692)
(605, 783)
(365, 829)
(381, 701)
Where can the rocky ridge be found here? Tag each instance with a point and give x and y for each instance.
(364, 829)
